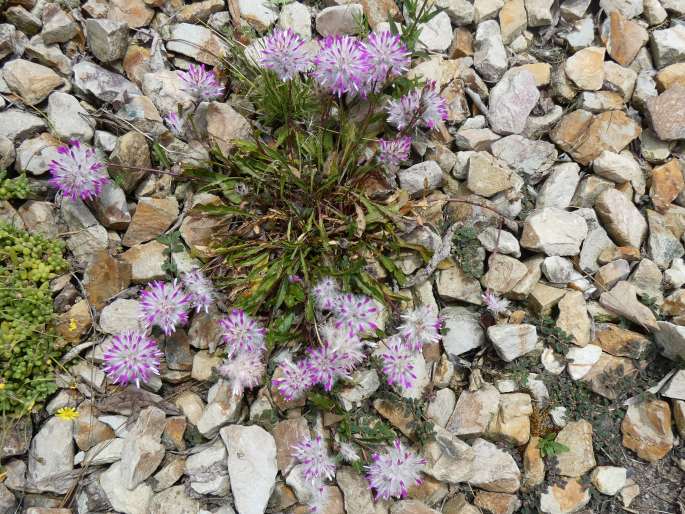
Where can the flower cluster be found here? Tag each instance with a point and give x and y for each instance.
(77, 172)
(393, 471)
(200, 83)
(420, 107)
(494, 303)
(133, 356)
(245, 340)
(317, 467)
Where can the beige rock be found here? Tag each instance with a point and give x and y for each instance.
(625, 38)
(504, 273)
(586, 68)
(396, 415)
(647, 430)
(554, 232)
(580, 458)
(33, 82)
(621, 342)
(667, 183)
(667, 113)
(287, 433)
(88, 430)
(380, 11)
(497, 503)
(453, 284)
(512, 421)
(411, 507)
(609, 480)
(606, 375)
(622, 300)
(496, 470)
(568, 498)
(542, 72)
(533, 465)
(223, 125)
(512, 20)
(104, 277)
(573, 317)
(671, 75)
(74, 323)
(146, 261)
(133, 12)
(621, 219)
(585, 136)
(486, 176)
(679, 416)
(58, 26)
(196, 42)
(131, 158)
(474, 411)
(543, 297)
(152, 217)
(448, 458)
(527, 283)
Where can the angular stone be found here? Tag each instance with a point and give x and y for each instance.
(608, 375)
(560, 186)
(207, 470)
(490, 58)
(671, 340)
(561, 499)
(252, 466)
(667, 183)
(621, 219)
(671, 75)
(609, 480)
(619, 169)
(32, 81)
(494, 239)
(107, 39)
(421, 178)
(647, 431)
(512, 422)
(58, 26)
(527, 156)
(34, 155)
(297, 16)
(512, 20)
(625, 38)
(222, 125)
(513, 341)
(511, 101)
(667, 113)
(132, 12)
(453, 284)
(51, 457)
(496, 470)
(539, 12)
(146, 260)
(668, 45)
(573, 317)
(287, 433)
(339, 19)
(474, 411)
(662, 245)
(152, 217)
(464, 330)
(586, 68)
(585, 136)
(196, 42)
(554, 232)
(122, 499)
(622, 299)
(436, 34)
(503, 274)
(608, 275)
(580, 458)
(533, 465)
(103, 84)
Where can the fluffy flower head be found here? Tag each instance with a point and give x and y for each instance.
(433, 106)
(313, 454)
(494, 303)
(421, 325)
(286, 54)
(393, 471)
(418, 107)
(327, 364)
(348, 346)
(131, 357)
(348, 452)
(393, 152)
(243, 333)
(200, 83)
(326, 293)
(341, 65)
(356, 313)
(398, 363)
(175, 123)
(385, 54)
(199, 288)
(77, 172)
(164, 304)
(244, 370)
(294, 381)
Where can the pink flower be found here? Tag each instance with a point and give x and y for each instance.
(295, 380)
(286, 54)
(174, 123)
(199, 288)
(340, 65)
(393, 471)
(357, 313)
(421, 325)
(325, 293)
(242, 333)
(244, 370)
(200, 83)
(77, 172)
(385, 54)
(164, 304)
(348, 346)
(327, 364)
(418, 107)
(131, 357)
(348, 452)
(398, 363)
(393, 152)
(494, 303)
(313, 454)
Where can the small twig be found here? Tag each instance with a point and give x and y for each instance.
(438, 256)
(476, 99)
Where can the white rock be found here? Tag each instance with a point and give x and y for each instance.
(559, 416)
(674, 277)
(252, 466)
(68, 119)
(668, 45)
(609, 480)
(196, 42)
(505, 242)
(424, 176)
(441, 406)
(558, 270)
(495, 469)
(121, 499)
(511, 101)
(339, 19)
(107, 39)
(436, 35)
(261, 14)
(34, 155)
(513, 341)
(628, 8)
(486, 9)
(619, 169)
(464, 330)
(490, 58)
(552, 362)
(51, 457)
(581, 360)
(671, 339)
(103, 84)
(554, 232)
(207, 470)
(164, 88)
(581, 34)
(122, 314)
(297, 17)
(676, 386)
(560, 186)
(539, 12)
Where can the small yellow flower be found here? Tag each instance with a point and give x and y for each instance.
(67, 413)
(72, 325)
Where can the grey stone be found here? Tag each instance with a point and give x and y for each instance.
(68, 119)
(8, 39)
(142, 451)
(560, 186)
(527, 156)
(122, 499)
(554, 232)
(490, 58)
(122, 314)
(511, 101)
(671, 340)
(596, 241)
(496, 470)
(494, 239)
(513, 341)
(668, 45)
(424, 176)
(539, 12)
(662, 245)
(297, 17)
(207, 470)
(464, 330)
(339, 19)
(51, 457)
(436, 35)
(449, 459)
(107, 39)
(103, 84)
(620, 218)
(58, 26)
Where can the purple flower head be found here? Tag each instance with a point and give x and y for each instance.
(418, 107)
(199, 288)
(393, 471)
(175, 123)
(385, 54)
(317, 464)
(348, 346)
(242, 333)
(421, 325)
(494, 303)
(340, 65)
(398, 363)
(131, 357)
(326, 293)
(77, 172)
(244, 370)
(164, 304)
(200, 83)
(327, 364)
(357, 313)
(286, 54)
(348, 452)
(295, 379)
(392, 152)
